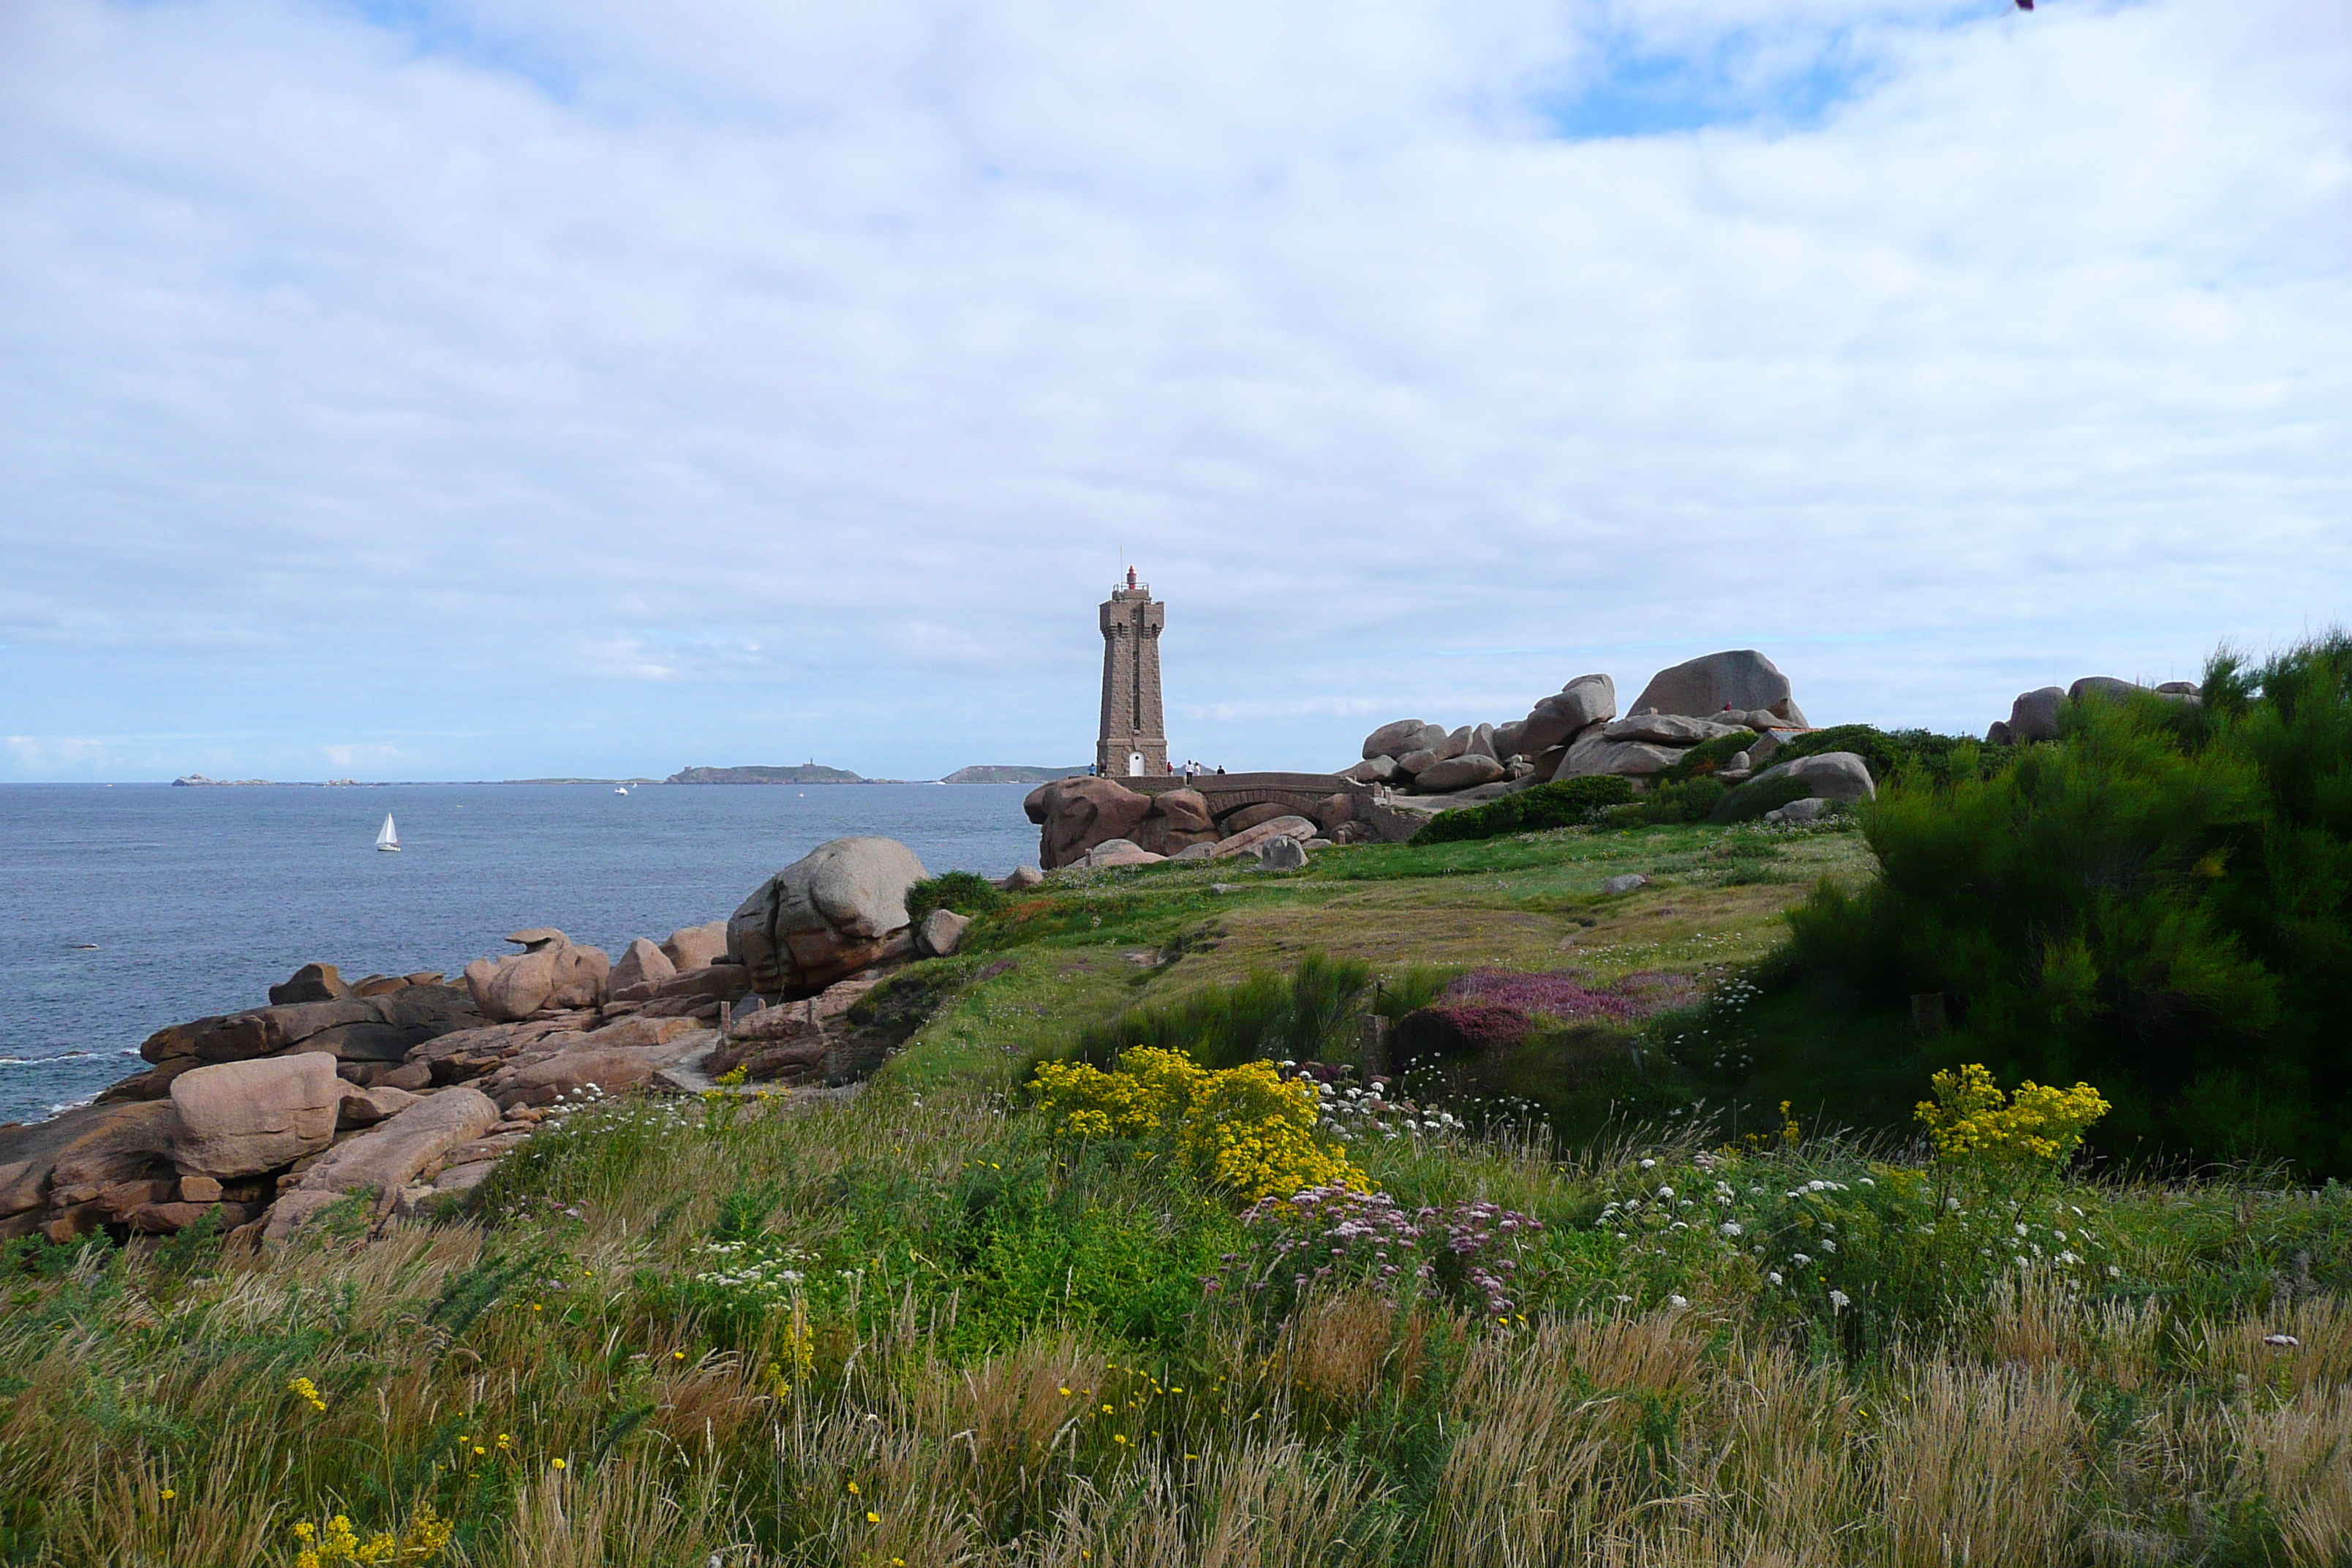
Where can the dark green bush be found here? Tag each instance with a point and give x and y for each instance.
(2160, 904)
(1709, 756)
(1916, 754)
(1314, 1011)
(1415, 985)
(1882, 751)
(1886, 752)
(963, 892)
(1667, 802)
(1564, 802)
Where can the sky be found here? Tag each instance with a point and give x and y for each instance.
(428, 389)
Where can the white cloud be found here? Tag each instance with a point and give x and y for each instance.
(558, 389)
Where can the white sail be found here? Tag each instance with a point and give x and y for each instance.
(387, 837)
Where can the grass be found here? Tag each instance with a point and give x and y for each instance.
(917, 1327)
(958, 1270)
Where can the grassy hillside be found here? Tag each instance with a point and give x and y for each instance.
(936, 1323)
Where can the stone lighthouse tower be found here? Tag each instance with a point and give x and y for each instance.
(1134, 739)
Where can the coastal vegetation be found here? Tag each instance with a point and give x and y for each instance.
(1600, 1192)
(949, 1328)
(2162, 900)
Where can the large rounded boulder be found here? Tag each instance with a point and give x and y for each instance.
(239, 1119)
(1741, 679)
(1078, 813)
(549, 973)
(2034, 716)
(839, 908)
(1402, 737)
(1840, 777)
(1587, 700)
(643, 968)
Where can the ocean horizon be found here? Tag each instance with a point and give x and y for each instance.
(125, 908)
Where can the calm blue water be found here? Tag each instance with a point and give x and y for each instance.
(197, 900)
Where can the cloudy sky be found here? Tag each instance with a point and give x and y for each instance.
(487, 388)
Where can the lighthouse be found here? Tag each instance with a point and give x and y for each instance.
(1133, 742)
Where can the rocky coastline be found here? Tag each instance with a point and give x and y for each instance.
(1411, 769)
(410, 1089)
(407, 1090)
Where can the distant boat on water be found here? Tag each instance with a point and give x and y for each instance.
(620, 789)
(387, 837)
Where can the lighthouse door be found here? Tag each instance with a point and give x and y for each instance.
(1135, 764)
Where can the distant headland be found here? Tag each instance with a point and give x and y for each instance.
(1007, 773)
(817, 773)
(801, 774)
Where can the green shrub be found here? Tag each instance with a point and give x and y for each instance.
(1414, 987)
(1882, 751)
(1314, 1011)
(1709, 756)
(2161, 903)
(1668, 802)
(1943, 759)
(1564, 802)
(962, 892)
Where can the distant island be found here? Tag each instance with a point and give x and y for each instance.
(198, 780)
(804, 773)
(1008, 773)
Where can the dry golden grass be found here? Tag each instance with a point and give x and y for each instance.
(1339, 1350)
(1978, 1466)
(2299, 1455)
(2039, 1426)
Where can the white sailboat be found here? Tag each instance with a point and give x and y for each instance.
(387, 837)
(622, 789)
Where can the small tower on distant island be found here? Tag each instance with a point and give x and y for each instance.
(1134, 739)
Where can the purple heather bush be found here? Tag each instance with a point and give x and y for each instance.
(1565, 994)
(1469, 1026)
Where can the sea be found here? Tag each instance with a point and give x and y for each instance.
(126, 908)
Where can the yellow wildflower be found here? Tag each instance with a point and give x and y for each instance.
(1244, 1128)
(1970, 1118)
